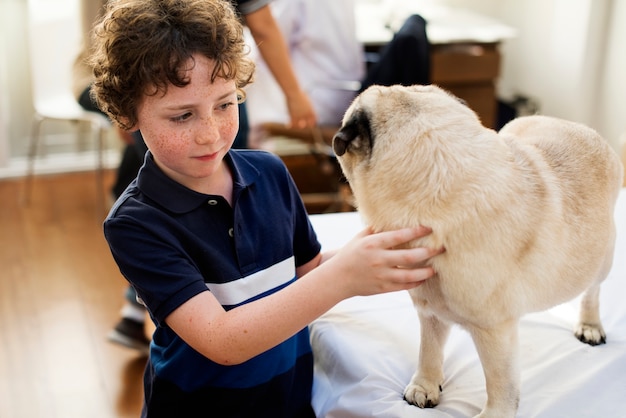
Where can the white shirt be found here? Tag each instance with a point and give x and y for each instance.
(324, 50)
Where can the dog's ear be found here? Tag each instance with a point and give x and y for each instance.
(341, 140)
(355, 132)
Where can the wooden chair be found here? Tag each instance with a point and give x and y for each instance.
(312, 163)
(54, 42)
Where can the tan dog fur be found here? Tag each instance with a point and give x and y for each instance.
(525, 215)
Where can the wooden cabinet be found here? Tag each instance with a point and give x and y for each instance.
(466, 69)
(469, 71)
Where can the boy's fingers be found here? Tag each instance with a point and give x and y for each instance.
(414, 277)
(414, 258)
(393, 238)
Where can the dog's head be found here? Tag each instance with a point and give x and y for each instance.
(396, 117)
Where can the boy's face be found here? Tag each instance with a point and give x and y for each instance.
(190, 129)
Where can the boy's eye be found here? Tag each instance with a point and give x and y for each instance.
(181, 118)
(225, 106)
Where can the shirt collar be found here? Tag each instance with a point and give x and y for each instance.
(177, 198)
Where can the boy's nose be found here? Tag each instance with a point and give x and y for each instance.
(208, 132)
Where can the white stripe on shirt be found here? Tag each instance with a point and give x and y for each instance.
(238, 291)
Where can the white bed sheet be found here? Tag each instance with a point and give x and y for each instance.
(366, 351)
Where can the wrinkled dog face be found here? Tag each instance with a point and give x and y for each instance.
(396, 118)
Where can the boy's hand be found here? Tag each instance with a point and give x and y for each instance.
(370, 264)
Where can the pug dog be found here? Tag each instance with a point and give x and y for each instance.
(525, 215)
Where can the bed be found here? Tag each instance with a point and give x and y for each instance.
(366, 351)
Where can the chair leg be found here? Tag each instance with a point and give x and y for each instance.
(32, 155)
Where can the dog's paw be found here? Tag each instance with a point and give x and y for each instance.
(423, 395)
(591, 334)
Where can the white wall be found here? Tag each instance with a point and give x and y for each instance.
(569, 55)
(558, 54)
(15, 81)
(4, 137)
(610, 115)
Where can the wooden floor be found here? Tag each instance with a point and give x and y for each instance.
(60, 294)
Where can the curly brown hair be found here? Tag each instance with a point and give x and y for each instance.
(141, 46)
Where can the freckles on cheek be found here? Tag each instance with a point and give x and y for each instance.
(231, 128)
(167, 145)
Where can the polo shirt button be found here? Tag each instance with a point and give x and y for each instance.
(212, 202)
(231, 232)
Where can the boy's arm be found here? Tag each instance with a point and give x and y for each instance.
(315, 262)
(366, 265)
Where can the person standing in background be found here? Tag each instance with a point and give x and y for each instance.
(268, 41)
(326, 56)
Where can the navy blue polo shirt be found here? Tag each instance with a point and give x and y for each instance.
(171, 243)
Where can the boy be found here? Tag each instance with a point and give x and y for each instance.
(257, 16)
(216, 242)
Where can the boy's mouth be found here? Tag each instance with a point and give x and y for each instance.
(207, 157)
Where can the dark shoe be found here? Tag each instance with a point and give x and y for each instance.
(130, 334)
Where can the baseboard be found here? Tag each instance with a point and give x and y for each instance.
(60, 163)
